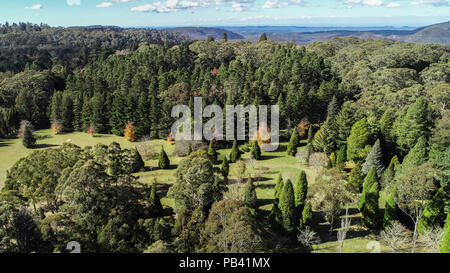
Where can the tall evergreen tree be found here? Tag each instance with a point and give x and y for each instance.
(374, 159)
(301, 190)
(341, 157)
(278, 187)
(225, 169)
(255, 150)
(413, 125)
(434, 213)
(235, 153)
(391, 210)
(28, 140)
(67, 117)
(387, 179)
(356, 178)
(212, 151)
(163, 159)
(263, 37)
(344, 122)
(416, 157)
(307, 215)
(250, 197)
(368, 204)
(293, 143)
(358, 142)
(154, 203)
(287, 207)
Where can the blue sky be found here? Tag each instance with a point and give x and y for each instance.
(159, 13)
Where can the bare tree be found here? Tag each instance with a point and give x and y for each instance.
(395, 236)
(413, 192)
(346, 223)
(308, 238)
(432, 239)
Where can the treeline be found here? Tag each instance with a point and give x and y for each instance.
(38, 47)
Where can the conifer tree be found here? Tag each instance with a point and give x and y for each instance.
(137, 162)
(368, 204)
(212, 151)
(67, 110)
(387, 179)
(358, 142)
(413, 125)
(293, 143)
(307, 215)
(250, 197)
(374, 159)
(341, 157)
(225, 169)
(434, 213)
(155, 205)
(391, 210)
(344, 122)
(235, 153)
(255, 150)
(263, 37)
(163, 160)
(287, 207)
(28, 139)
(301, 190)
(356, 178)
(416, 157)
(445, 245)
(278, 187)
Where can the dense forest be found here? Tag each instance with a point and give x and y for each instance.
(373, 113)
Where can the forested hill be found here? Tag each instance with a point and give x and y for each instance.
(41, 46)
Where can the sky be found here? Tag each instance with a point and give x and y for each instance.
(167, 13)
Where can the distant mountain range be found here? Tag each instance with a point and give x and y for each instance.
(438, 33)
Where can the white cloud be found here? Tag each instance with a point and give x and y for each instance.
(393, 5)
(436, 3)
(73, 2)
(35, 7)
(179, 5)
(270, 4)
(104, 5)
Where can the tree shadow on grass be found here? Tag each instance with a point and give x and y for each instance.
(43, 146)
(263, 202)
(268, 157)
(265, 186)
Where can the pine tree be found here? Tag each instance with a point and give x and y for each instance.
(416, 157)
(67, 110)
(278, 187)
(130, 132)
(235, 153)
(341, 157)
(293, 143)
(224, 37)
(56, 107)
(287, 207)
(445, 245)
(358, 142)
(374, 159)
(413, 125)
(212, 151)
(250, 197)
(387, 179)
(368, 204)
(255, 150)
(263, 37)
(163, 160)
(391, 210)
(301, 190)
(434, 213)
(137, 162)
(307, 215)
(28, 140)
(356, 178)
(225, 169)
(155, 205)
(344, 122)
